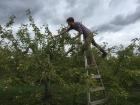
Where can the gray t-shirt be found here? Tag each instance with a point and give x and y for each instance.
(80, 28)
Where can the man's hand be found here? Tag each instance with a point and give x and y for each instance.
(63, 31)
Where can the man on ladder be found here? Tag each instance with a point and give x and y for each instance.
(89, 58)
(87, 36)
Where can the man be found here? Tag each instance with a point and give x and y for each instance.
(87, 36)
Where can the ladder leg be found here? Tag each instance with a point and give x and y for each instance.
(90, 62)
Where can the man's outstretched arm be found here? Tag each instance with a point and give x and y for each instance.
(65, 30)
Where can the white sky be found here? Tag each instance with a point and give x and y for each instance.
(117, 21)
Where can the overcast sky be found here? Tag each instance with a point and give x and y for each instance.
(117, 21)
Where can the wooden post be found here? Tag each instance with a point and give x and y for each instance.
(86, 68)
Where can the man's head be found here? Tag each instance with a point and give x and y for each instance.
(70, 21)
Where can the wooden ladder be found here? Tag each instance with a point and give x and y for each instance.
(94, 90)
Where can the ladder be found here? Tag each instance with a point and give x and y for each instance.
(95, 90)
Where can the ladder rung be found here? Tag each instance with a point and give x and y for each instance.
(98, 102)
(96, 76)
(97, 89)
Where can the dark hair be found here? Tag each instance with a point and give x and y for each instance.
(70, 19)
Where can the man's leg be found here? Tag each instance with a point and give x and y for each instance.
(88, 51)
(99, 47)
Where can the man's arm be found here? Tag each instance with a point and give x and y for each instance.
(65, 30)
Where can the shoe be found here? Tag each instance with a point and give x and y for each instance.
(104, 55)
